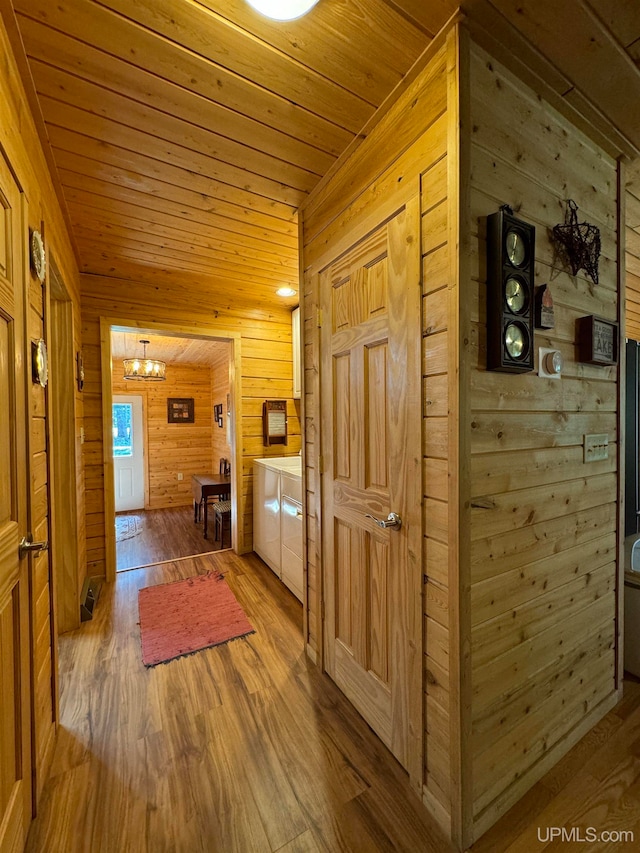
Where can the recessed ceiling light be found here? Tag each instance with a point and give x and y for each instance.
(283, 10)
(286, 291)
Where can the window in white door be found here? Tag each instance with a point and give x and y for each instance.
(122, 429)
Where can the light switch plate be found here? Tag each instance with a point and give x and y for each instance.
(596, 447)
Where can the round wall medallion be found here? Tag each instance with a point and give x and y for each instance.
(38, 262)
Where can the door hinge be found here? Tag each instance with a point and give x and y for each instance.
(319, 317)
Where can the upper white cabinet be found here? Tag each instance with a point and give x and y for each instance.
(297, 372)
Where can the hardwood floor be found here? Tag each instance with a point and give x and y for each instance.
(165, 534)
(244, 747)
(597, 785)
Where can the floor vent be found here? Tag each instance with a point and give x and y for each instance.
(88, 599)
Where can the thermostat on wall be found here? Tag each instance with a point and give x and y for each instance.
(550, 363)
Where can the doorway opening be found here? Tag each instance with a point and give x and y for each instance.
(163, 433)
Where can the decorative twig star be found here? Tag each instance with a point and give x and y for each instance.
(579, 242)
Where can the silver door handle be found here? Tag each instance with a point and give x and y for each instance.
(27, 545)
(392, 520)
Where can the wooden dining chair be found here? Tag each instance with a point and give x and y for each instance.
(222, 519)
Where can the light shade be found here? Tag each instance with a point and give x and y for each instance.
(144, 368)
(285, 291)
(282, 10)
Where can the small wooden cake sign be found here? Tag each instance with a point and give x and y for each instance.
(597, 340)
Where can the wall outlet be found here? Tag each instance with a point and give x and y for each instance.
(596, 447)
(180, 477)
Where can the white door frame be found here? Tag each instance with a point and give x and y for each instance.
(107, 324)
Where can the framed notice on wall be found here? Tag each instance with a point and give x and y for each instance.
(274, 422)
(180, 410)
(597, 340)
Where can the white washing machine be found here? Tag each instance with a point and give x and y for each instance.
(278, 518)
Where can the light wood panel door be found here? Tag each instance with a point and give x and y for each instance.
(371, 450)
(15, 751)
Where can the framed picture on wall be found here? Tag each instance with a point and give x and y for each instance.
(180, 410)
(217, 414)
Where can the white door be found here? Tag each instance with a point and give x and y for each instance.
(128, 452)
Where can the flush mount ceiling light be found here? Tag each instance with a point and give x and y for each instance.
(285, 291)
(282, 10)
(144, 368)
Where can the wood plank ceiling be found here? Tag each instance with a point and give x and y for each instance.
(186, 133)
(173, 350)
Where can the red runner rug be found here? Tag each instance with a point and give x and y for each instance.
(185, 616)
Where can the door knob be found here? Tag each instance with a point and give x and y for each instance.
(27, 545)
(392, 520)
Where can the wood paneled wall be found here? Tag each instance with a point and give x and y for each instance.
(20, 143)
(266, 372)
(405, 154)
(220, 447)
(544, 524)
(520, 536)
(632, 259)
(41, 592)
(437, 375)
(172, 448)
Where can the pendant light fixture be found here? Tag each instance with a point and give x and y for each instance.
(144, 368)
(283, 10)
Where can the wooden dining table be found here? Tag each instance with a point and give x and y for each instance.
(204, 486)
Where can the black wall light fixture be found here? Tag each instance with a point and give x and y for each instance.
(510, 286)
